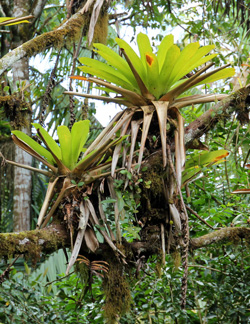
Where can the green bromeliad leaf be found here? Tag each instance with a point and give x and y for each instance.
(79, 135)
(151, 75)
(144, 47)
(49, 140)
(110, 77)
(205, 158)
(116, 61)
(65, 141)
(133, 58)
(153, 82)
(35, 146)
(171, 57)
(163, 48)
(71, 144)
(219, 75)
(196, 163)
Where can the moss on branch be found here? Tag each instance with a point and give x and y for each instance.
(228, 234)
(33, 243)
(69, 31)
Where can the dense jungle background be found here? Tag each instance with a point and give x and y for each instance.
(191, 269)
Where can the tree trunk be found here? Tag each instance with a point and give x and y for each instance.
(22, 177)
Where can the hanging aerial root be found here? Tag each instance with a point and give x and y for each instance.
(185, 233)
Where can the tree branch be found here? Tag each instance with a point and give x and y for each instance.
(33, 243)
(69, 30)
(231, 234)
(37, 8)
(236, 102)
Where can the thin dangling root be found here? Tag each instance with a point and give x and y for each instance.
(185, 232)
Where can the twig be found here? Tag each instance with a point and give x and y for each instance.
(212, 196)
(209, 268)
(15, 20)
(59, 279)
(196, 215)
(8, 269)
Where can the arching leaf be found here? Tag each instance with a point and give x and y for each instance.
(49, 140)
(79, 135)
(65, 141)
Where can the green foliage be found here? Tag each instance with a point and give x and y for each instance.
(22, 300)
(197, 162)
(217, 293)
(214, 296)
(71, 143)
(150, 75)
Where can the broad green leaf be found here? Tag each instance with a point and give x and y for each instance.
(79, 135)
(102, 66)
(35, 146)
(182, 62)
(134, 58)
(196, 60)
(108, 77)
(195, 164)
(225, 73)
(206, 158)
(65, 141)
(189, 174)
(116, 61)
(200, 62)
(50, 141)
(153, 79)
(144, 47)
(163, 48)
(171, 58)
(200, 54)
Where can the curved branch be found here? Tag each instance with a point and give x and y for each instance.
(231, 234)
(236, 102)
(70, 30)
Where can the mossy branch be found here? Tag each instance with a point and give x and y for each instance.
(33, 243)
(69, 31)
(228, 234)
(50, 239)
